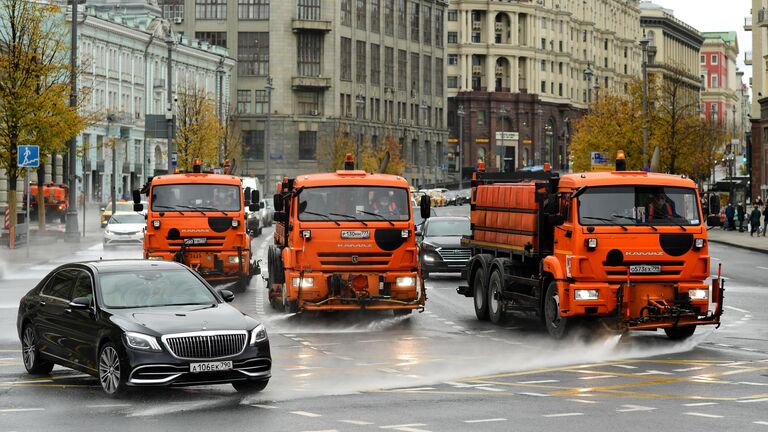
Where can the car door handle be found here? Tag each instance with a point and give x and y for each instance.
(68, 310)
(42, 302)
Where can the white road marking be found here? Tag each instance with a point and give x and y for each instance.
(488, 331)
(450, 322)
(752, 383)
(414, 389)
(689, 369)
(753, 400)
(597, 377)
(624, 366)
(462, 385)
(12, 410)
(634, 408)
(538, 382)
(356, 422)
(724, 345)
(306, 414)
(697, 404)
(654, 372)
(263, 406)
(405, 427)
(324, 430)
(736, 309)
(583, 401)
(492, 389)
(108, 406)
(563, 415)
(762, 268)
(372, 340)
(535, 394)
(762, 423)
(703, 415)
(485, 420)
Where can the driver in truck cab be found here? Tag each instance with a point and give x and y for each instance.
(384, 205)
(660, 207)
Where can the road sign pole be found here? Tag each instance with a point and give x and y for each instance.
(27, 190)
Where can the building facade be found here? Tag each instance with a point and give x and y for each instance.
(757, 23)
(517, 70)
(370, 69)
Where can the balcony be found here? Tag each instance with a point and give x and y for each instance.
(499, 27)
(477, 70)
(306, 82)
(748, 58)
(748, 23)
(477, 25)
(304, 25)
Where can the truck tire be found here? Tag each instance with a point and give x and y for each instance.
(557, 326)
(680, 333)
(277, 304)
(481, 296)
(402, 312)
(495, 302)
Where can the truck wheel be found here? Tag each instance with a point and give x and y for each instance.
(481, 298)
(243, 282)
(273, 300)
(402, 312)
(680, 333)
(495, 302)
(557, 326)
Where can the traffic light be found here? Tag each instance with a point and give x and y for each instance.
(744, 158)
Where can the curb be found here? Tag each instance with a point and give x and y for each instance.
(753, 249)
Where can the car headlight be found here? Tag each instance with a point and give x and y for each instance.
(107, 232)
(583, 294)
(698, 294)
(428, 258)
(305, 282)
(141, 342)
(406, 281)
(258, 334)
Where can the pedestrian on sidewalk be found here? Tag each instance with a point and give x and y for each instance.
(754, 221)
(741, 215)
(765, 220)
(729, 214)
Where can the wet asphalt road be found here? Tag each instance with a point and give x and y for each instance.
(441, 370)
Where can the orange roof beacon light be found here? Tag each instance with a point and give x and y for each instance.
(176, 170)
(547, 167)
(349, 162)
(481, 166)
(621, 161)
(197, 167)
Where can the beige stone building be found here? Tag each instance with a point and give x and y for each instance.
(369, 68)
(518, 71)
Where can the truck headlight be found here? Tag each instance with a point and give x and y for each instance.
(405, 233)
(698, 243)
(406, 281)
(585, 294)
(258, 334)
(591, 243)
(141, 341)
(233, 259)
(698, 294)
(305, 282)
(235, 223)
(568, 264)
(156, 223)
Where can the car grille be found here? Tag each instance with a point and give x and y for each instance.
(449, 255)
(127, 233)
(206, 345)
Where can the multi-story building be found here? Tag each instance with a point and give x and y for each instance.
(524, 71)
(122, 51)
(371, 69)
(757, 23)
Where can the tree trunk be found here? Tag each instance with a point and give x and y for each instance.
(41, 198)
(12, 198)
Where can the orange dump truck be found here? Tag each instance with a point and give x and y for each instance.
(627, 248)
(56, 198)
(198, 219)
(343, 241)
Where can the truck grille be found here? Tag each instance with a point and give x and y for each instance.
(206, 345)
(460, 255)
(354, 259)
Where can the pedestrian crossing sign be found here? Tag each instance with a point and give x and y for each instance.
(28, 156)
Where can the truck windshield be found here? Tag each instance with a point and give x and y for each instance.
(638, 205)
(185, 197)
(347, 203)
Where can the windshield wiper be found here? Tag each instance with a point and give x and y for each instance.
(672, 219)
(213, 209)
(349, 217)
(637, 222)
(193, 208)
(168, 208)
(377, 215)
(610, 221)
(323, 215)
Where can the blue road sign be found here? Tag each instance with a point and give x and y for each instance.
(174, 159)
(28, 156)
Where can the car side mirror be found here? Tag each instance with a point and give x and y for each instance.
(279, 216)
(227, 295)
(425, 207)
(136, 197)
(277, 200)
(80, 303)
(138, 207)
(246, 196)
(253, 207)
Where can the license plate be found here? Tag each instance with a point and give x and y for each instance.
(210, 366)
(195, 241)
(356, 234)
(645, 269)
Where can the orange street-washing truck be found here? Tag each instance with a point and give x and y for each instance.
(198, 219)
(627, 248)
(343, 241)
(56, 199)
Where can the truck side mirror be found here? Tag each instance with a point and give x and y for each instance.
(556, 219)
(246, 196)
(138, 207)
(255, 197)
(277, 200)
(253, 207)
(136, 196)
(261, 205)
(425, 207)
(279, 216)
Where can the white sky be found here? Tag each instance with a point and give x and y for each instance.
(716, 15)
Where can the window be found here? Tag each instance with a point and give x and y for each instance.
(213, 38)
(309, 10)
(481, 118)
(543, 65)
(543, 43)
(310, 52)
(626, 52)
(476, 38)
(243, 101)
(402, 64)
(253, 53)
(401, 20)
(172, 9)
(453, 15)
(560, 46)
(60, 285)
(414, 21)
(308, 103)
(253, 143)
(439, 28)
(560, 68)
(360, 14)
(543, 23)
(307, 145)
(702, 59)
(375, 65)
(453, 82)
(415, 152)
(389, 67)
(560, 89)
(346, 13)
(346, 59)
(100, 148)
(84, 285)
(375, 15)
(211, 9)
(427, 75)
(427, 10)
(714, 59)
(389, 17)
(543, 86)
(262, 100)
(253, 9)
(714, 81)
(414, 73)
(453, 59)
(453, 37)
(360, 56)
(439, 77)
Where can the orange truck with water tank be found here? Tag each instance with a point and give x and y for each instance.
(626, 249)
(198, 219)
(56, 201)
(345, 240)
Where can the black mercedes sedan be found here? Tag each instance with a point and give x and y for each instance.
(141, 323)
(440, 249)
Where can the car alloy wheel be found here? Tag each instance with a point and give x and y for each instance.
(30, 354)
(110, 374)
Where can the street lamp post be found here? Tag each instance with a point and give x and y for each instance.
(71, 230)
(460, 114)
(220, 76)
(268, 137)
(423, 109)
(588, 73)
(503, 114)
(644, 41)
(360, 104)
(170, 41)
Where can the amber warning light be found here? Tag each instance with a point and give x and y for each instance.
(349, 162)
(621, 161)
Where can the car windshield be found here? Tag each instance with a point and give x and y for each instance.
(123, 206)
(349, 203)
(127, 219)
(638, 205)
(153, 288)
(185, 197)
(447, 228)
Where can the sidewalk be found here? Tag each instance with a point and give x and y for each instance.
(738, 239)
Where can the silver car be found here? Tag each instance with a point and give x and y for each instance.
(125, 228)
(266, 212)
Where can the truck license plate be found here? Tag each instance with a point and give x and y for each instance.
(195, 241)
(358, 234)
(645, 269)
(210, 366)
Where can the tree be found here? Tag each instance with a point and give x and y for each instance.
(233, 142)
(198, 133)
(371, 156)
(391, 150)
(34, 85)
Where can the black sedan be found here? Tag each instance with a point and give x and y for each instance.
(440, 249)
(141, 323)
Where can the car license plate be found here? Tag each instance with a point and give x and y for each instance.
(645, 269)
(210, 366)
